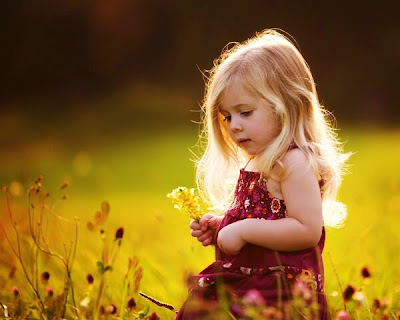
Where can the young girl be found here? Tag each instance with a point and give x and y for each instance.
(261, 111)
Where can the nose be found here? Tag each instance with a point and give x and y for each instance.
(235, 125)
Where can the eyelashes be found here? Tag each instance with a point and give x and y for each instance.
(242, 113)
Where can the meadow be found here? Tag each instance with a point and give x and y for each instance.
(134, 168)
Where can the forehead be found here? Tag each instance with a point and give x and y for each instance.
(234, 96)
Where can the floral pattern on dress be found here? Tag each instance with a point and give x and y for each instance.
(256, 201)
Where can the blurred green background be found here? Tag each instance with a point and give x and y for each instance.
(106, 95)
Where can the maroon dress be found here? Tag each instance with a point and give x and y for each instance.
(272, 273)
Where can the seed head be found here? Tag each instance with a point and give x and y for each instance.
(376, 304)
(89, 278)
(131, 304)
(348, 293)
(120, 233)
(365, 273)
(45, 276)
(153, 316)
(102, 310)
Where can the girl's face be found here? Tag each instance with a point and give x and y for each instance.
(249, 120)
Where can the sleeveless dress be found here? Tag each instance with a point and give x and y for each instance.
(271, 273)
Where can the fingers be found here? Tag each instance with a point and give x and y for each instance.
(203, 229)
(207, 242)
(194, 225)
(204, 223)
(204, 236)
(196, 233)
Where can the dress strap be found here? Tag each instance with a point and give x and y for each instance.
(248, 163)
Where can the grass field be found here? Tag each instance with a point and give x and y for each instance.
(135, 173)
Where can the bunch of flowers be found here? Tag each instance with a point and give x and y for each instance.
(187, 201)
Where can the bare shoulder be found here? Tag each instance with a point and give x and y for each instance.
(295, 160)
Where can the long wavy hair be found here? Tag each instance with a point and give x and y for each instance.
(270, 67)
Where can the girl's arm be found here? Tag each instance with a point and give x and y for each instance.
(303, 227)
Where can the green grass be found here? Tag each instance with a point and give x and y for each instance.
(135, 173)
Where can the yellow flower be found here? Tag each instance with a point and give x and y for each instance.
(186, 201)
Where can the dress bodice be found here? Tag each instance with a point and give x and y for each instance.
(253, 200)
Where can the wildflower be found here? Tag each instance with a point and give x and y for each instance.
(45, 277)
(133, 262)
(376, 304)
(186, 201)
(334, 293)
(385, 303)
(105, 207)
(343, 315)
(89, 278)
(15, 291)
(348, 293)
(49, 292)
(64, 197)
(131, 304)
(253, 297)
(111, 309)
(360, 298)
(90, 225)
(38, 179)
(385, 317)
(120, 233)
(365, 273)
(99, 217)
(153, 316)
(301, 289)
(65, 184)
(85, 302)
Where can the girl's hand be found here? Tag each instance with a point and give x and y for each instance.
(230, 239)
(204, 230)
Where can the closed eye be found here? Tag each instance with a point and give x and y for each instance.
(246, 113)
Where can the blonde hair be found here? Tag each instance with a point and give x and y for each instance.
(270, 67)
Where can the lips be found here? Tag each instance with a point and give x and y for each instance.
(243, 141)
